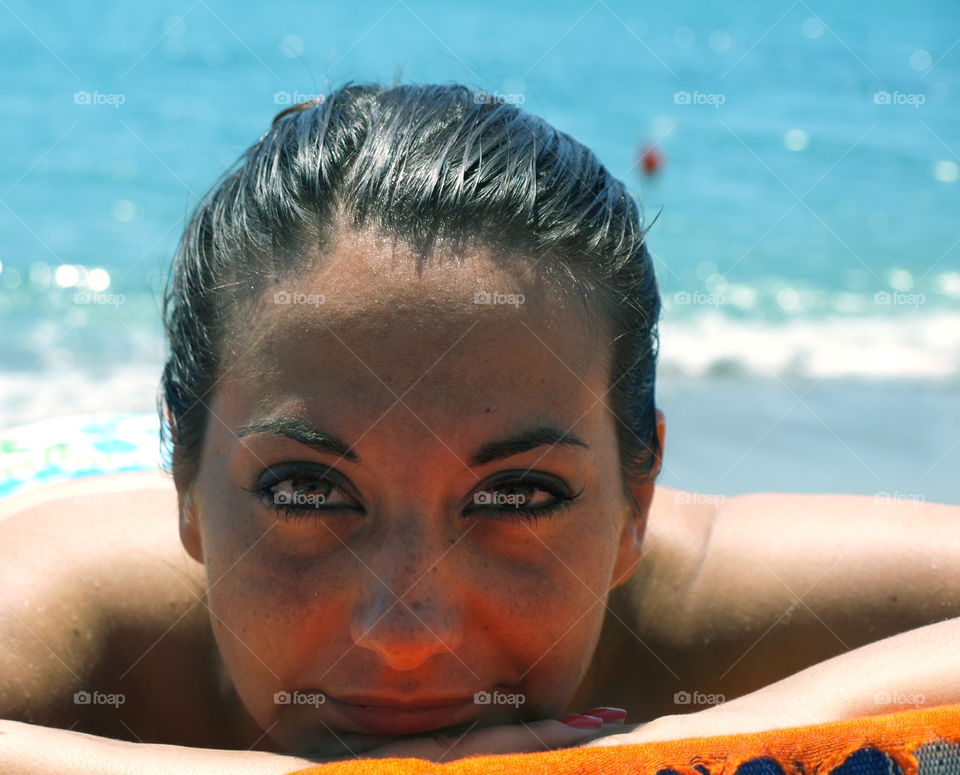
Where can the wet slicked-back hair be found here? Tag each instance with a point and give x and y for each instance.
(430, 165)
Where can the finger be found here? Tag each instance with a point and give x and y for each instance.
(607, 740)
(627, 735)
(511, 738)
(544, 735)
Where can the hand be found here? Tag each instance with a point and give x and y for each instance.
(544, 735)
(709, 722)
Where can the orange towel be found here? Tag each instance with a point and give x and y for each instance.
(923, 741)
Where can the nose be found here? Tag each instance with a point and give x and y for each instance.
(408, 609)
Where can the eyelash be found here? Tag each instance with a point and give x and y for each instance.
(296, 514)
(535, 513)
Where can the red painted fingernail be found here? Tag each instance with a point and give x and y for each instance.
(583, 721)
(614, 715)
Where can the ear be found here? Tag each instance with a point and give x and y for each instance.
(189, 527)
(629, 551)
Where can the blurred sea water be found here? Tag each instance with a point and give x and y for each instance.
(805, 221)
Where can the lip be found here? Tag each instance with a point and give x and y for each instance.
(401, 703)
(379, 715)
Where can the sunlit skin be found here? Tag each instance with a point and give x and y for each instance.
(403, 588)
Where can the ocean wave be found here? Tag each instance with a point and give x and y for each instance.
(919, 345)
(32, 396)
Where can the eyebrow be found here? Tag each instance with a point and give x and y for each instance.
(302, 432)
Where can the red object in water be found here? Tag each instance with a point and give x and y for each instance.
(651, 160)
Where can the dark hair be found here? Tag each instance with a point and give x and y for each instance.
(428, 164)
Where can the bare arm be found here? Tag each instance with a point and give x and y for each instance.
(27, 749)
(771, 583)
(88, 581)
(918, 668)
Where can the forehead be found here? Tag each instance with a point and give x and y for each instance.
(463, 337)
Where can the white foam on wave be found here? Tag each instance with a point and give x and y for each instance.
(37, 395)
(913, 345)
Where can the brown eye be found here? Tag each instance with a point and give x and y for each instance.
(291, 491)
(520, 498)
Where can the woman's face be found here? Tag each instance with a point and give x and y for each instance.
(408, 498)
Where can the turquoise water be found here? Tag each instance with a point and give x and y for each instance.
(807, 205)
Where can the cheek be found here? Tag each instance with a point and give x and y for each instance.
(276, 603)
(545, 602)
(547, 577)
(543, 616)
(277, 619)
(258, 598)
